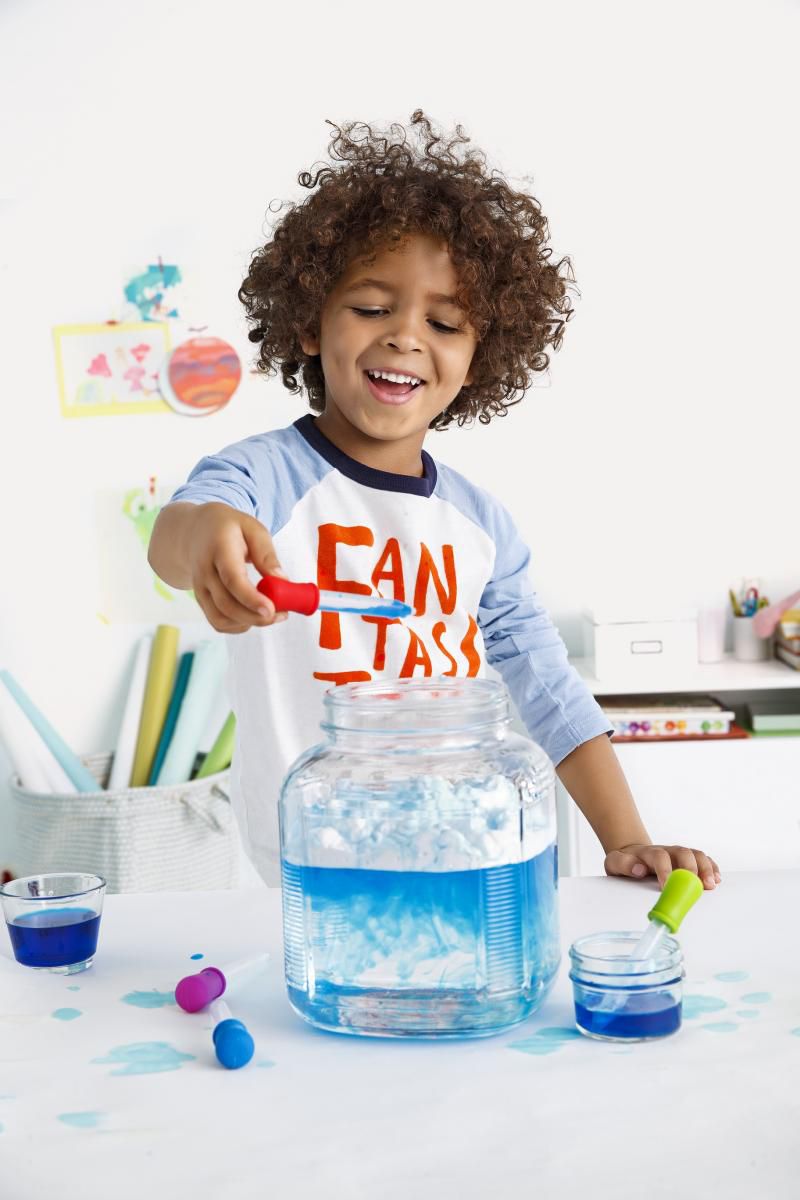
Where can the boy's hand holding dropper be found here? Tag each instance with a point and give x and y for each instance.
(206, 547)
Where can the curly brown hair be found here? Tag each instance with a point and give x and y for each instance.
(516, 299)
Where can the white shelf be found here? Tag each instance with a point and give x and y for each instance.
(729, 675)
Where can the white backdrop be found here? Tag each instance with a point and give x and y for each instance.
(658, 461)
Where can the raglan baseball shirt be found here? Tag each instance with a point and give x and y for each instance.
(439, 543)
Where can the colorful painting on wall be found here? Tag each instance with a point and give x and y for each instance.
(200, 376)
(155, 292)
(110, 369)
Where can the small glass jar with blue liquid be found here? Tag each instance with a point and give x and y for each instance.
(624, 999)
(53, 919)
(419, 865)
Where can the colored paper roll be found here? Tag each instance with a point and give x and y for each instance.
(220, 755)
(176, 699)
(126, 741)
(157, 691)
(205, 680)
(216, 719)
(82, 778)
(38, 761)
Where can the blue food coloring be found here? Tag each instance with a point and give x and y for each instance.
(54, 937)
(643, 1016)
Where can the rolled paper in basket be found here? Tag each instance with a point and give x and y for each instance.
(170, 721)
(205, 680)
(157, 691)
(126, 741)
(220, 755)
(29, 755)
(82, 778)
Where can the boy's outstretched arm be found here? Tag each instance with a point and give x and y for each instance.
(207, 547)
(594, 779)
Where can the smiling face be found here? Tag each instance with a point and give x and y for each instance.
(394, 314)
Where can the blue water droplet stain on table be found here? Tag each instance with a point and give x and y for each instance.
(721, 1026)
(545, 1041)
(81, 1120)
(66, 1014)
(698, 1006)
(145, 1058)
(732, 976)
(196, 956)
(756, 998)
(151, 999)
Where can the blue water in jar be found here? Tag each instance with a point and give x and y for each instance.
(54, 937)
(642, 1017)
(420, 953)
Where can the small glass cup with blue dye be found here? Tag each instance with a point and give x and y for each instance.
(53, 920)
(624, 999)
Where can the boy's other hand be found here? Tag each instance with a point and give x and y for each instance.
(640, 861)
(223, 542)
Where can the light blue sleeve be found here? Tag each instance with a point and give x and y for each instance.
(223, 478)
(263, 476)
(524, 646)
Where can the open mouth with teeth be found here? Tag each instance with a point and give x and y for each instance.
(392, 387)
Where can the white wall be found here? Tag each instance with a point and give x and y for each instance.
(660, 138)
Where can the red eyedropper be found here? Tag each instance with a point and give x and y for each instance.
(307, 598)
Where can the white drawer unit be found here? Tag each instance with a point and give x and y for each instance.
(737, 799)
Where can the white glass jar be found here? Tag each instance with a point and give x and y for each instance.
(419, 863)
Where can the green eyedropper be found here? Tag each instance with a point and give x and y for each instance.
(680, 892)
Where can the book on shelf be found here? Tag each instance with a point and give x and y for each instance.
(789, 625)
(779, 714)
(656, 718)
(788, 653)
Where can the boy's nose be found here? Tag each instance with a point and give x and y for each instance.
(406, 338)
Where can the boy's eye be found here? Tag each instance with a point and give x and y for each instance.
(376, 312)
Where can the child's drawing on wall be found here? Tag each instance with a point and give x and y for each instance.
(130, 591)
(110, 369)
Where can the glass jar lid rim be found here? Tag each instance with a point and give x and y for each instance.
(400, 703)
(668, 954)
(7, 889)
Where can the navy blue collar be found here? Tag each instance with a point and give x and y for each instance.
(384, 481)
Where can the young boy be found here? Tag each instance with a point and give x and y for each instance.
(410, 290)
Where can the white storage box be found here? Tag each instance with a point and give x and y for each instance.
(630, 648)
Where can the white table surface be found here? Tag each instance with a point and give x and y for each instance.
(713, 1111)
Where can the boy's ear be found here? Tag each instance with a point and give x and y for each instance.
(309, 344)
